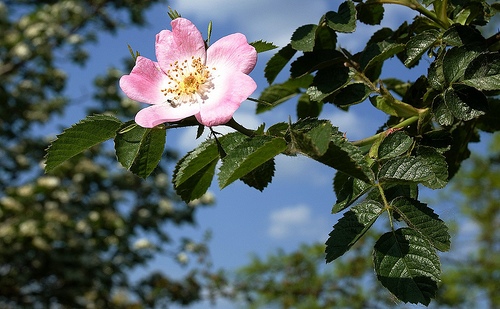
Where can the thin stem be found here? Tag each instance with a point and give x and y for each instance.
(386, 204)
(238, 127)
(371, 139)
(415, 5)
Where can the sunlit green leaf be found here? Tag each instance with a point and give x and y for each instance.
(81, 136)
(247, 155)
(419, 44)
(351, 227)
(438, 165)
(407, 265)
(263, 46)
(456, 61)
(405, 169)
(394, 145)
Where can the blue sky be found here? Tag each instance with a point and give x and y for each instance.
(295, 208)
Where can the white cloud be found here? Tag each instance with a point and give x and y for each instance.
(259, 19)
(296, 221)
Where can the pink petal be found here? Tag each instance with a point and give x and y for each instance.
(183, 42)
(145, 82)
(157, 114)
(232, 51)
(230, 90)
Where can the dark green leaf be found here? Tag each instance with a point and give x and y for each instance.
(344, 20)
(423, 220)
(313, 61)
(307, 108)
(443, 114)
(245, 156)
(405, 169)
(326, 38)
(140, 149)
(465, 103)
(81, 136)
(348, 190)
(260, 177)
(351, 94)
(370, 13)
(458, 35)
(327, 81)
(351, 227)
(193, 173)
(419, 44)
(407, 265)
(279, 93)
(263, 46)
(484, 72)
(303, 38)
(394, 145)
(342, 156)
(277, 62)
(378, 52)
(456, 61)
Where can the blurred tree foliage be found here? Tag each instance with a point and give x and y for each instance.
(471, 271)
(70, 239)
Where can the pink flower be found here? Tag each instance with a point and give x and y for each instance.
(189, 79)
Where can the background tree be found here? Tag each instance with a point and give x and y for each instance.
(72, 238)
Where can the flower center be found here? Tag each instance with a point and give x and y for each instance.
(189, 80)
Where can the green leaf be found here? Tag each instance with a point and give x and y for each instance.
(484, 72)
(277, 62)
(458, 35)
(392, 106)
(326, 38)
(88, 132)
(351, 227)
(405, 169)
(327, 81)
(307, 108)
(347, 190)
(407, 265)
(247, 155)
(313, 61)
(193, 173)
(260, 177)
(312, 135)
(279, 93)
(394, 145)
(344, 20)
(438, 165)
(370, 13)
(464, 102)
(263, 46)
(419, 44)
(378, 53)
(340, 155)
(422, 219)
(139, 149)
(456, 61)
(303, 38)
(351, 94)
